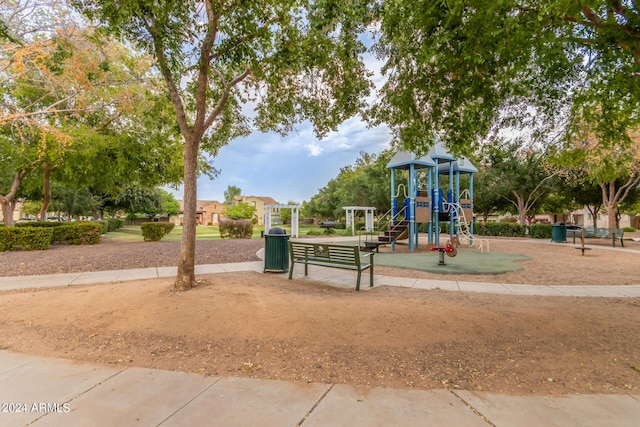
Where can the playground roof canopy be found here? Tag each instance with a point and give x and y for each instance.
(403, 160)
(440, 154)
(462, 165)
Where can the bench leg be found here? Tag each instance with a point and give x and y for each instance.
(291, 270)
(358, 281)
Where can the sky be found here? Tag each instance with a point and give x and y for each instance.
(292, 168)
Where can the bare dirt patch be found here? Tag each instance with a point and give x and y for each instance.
(265, 326)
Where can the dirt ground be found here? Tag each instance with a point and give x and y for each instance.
(265, 326)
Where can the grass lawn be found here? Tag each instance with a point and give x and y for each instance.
(131, 233)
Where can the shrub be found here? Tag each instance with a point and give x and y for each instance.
(29, 238)
(629, 229)
(236, 229)
(504, 229)
(78, 233)
(540, 231)
(154, 231)
(40, 224)
(103, 223)
(114, 224)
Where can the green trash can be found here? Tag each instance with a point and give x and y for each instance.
(276, 250)
(559, 233)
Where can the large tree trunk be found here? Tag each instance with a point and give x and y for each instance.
(612, 196)
(7, 211)
(186, 278)
(8, 201)
(46, 189)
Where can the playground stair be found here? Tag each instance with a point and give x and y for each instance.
(394, 233)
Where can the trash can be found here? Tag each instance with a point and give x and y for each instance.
(559, 233)
(276, 250)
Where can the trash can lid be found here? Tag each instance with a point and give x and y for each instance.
(277, 230)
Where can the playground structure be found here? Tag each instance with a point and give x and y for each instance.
(428, 205)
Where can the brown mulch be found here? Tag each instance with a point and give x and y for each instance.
(113, 254)
(265, 326)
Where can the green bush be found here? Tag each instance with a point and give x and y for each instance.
(629, 229)
(540, 231)
(103, 223)
(154, 231)
(236, 229)
(504, 229)
(114, 224)
(29, 238)
(41, 224)
(78, 233)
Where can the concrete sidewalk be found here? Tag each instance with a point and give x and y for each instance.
(40, 391)
(337, 277)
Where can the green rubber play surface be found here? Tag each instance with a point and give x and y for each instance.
(466, 262)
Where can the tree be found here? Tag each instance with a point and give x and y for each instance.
(463, 69)
(54, 77)
(240, 210)
(170, 205)
(614, 168)
(294, 59)
(140, 200)
(486, 199)
(521, 176)
(584, 194)
(230, 193)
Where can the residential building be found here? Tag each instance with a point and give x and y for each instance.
(208, 212)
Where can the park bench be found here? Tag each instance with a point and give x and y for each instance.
(328, 255)
(599, 233)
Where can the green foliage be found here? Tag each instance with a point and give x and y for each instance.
(140, 200)
(154, 231)
(236, 229)
(25, 238)
(629, 229)
(230, 193)
(461, 69)
(240, 210)
(40, 224)
(114, 224)
(540, 231)
(504, 229)
(104, 224)
(519, 175)
(78, 233)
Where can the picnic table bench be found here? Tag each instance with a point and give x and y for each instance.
(330, 255)
(599, 233)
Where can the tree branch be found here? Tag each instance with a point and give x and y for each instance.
(168, 78)
(225, 96)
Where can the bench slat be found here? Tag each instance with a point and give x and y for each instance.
(330, 255)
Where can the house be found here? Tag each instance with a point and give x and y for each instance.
(207, 213)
